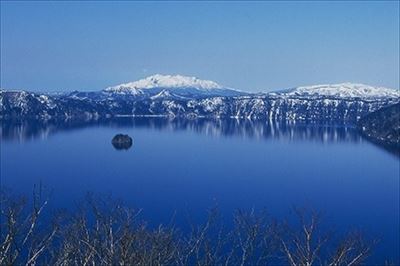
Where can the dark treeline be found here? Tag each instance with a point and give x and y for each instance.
(105, 232)
(383, 127)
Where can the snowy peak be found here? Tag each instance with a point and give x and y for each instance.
(167, 81)
(343, 90)
(164, 94)
(172, 86)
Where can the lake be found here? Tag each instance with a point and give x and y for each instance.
(187, 166)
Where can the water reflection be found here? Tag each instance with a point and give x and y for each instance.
(33, 129)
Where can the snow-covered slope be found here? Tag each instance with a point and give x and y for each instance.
(343, 91)
(168, 81)
(175, 84)
(179, 96)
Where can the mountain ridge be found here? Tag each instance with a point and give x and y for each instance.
(344, 103)
(175, 84)
(343, 90)
(168, 81)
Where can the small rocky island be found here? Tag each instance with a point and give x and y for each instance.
(122, 142)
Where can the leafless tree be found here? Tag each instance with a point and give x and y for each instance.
(105, 232)
(306, 245)
(112, 235)
(352, 250)
(253, 240)
(22, 239)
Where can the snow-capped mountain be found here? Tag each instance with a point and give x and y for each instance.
(343, 91)
(179, 96)
(173, 85)
(168, 81)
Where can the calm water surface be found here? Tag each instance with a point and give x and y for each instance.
(189, 166)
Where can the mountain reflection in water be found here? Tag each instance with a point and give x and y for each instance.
(36, 129)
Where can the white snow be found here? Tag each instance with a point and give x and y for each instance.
(344, 90)
(184, 85)
(162, 94)
(167, 81)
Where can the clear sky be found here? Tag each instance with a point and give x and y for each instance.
(246, 45)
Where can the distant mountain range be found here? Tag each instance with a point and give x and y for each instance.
(189, 97)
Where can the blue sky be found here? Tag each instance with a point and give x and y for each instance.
(246, 45)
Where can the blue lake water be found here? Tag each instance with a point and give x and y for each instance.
(189, 166)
